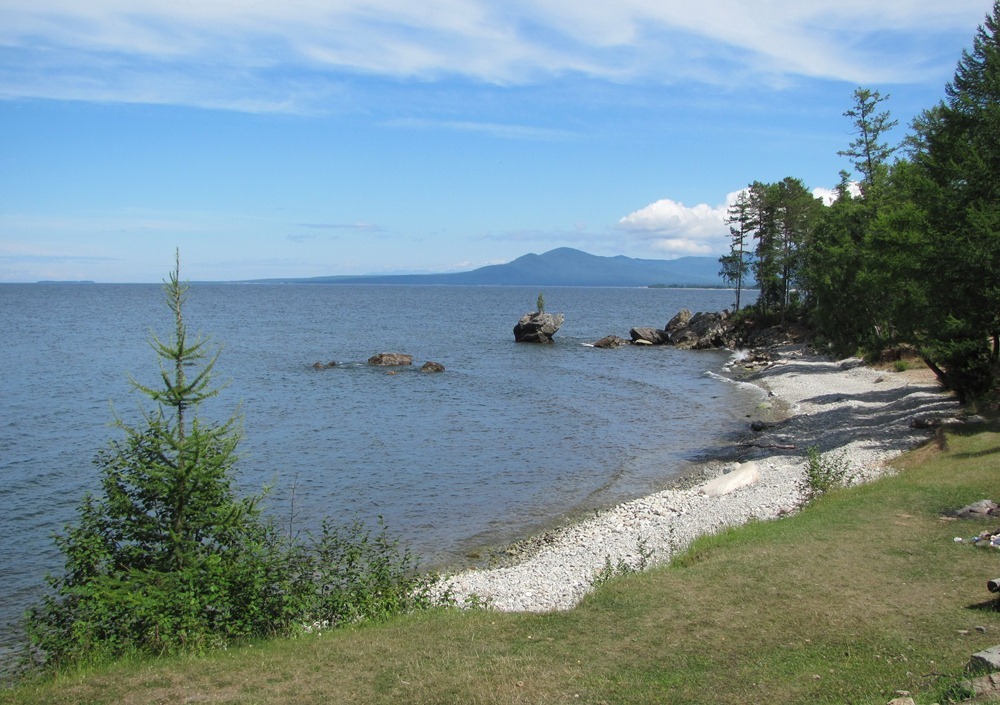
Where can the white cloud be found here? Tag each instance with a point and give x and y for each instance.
(829, 195)
(243, 54)
(672, 228)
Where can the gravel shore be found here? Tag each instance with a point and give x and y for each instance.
(853, 414)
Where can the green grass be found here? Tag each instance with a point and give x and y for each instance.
(861, 595)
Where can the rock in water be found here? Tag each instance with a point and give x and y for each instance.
(390, 359)
(611, 342)
(537, 327)
(649, 336)
(679, 321)
(432, 367)
(700, 331)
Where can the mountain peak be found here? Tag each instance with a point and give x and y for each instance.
(564, 266)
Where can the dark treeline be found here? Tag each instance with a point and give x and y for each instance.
(909, 252)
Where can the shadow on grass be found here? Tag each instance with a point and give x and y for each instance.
(992, 605)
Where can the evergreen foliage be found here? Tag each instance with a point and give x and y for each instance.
(736, 265)
(869, 153)
(915, 257)
(167, 557)
(780, 218)
(960, 191)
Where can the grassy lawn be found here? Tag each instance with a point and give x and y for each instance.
(861, 595)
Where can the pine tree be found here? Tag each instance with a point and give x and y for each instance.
(796, 211)
(868, 151)
(166, 555)
(736, 264)
(958, 151)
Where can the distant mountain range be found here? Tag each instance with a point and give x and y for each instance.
(564, 266)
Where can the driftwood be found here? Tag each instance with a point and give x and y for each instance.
(768, 446)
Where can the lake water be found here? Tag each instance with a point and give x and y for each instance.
(509, 439)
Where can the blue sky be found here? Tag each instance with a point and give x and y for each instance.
(315, 137)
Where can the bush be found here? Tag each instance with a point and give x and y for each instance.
(823, 474)
(352, 575)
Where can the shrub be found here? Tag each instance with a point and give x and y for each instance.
(823, 473)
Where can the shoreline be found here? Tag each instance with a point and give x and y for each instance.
(848, 411)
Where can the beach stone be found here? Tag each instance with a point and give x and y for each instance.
(651, 336)
(985, 687)
(744, 474)
(982, 508)
(986, 660)
(390, 359)
(537, 327)
(902, 701)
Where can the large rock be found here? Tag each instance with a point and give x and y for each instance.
(537, 327)
(743, 475)
(700, 331)
(390, 359)
(649, 336)
(679, 321)
(611, 342)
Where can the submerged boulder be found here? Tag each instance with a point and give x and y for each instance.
(537, 327)
(432, 367)
(611, 342)
(390, 359)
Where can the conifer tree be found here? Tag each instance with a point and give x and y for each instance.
(868, 152)
(958, 152)
(736, 264)
(166, 555)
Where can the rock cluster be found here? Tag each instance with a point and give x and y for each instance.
(537, 327)
(385, 359)
(699, 331)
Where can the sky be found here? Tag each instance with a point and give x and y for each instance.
(319, 137)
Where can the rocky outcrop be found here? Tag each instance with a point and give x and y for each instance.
(649, 336)
(700, 331)
(432, 367)
(537, 327)
(678, 322)
(390, 359)
(609, 342)
(697, 331)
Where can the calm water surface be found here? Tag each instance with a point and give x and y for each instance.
(510, 438)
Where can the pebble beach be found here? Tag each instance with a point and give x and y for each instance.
(854, 415)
